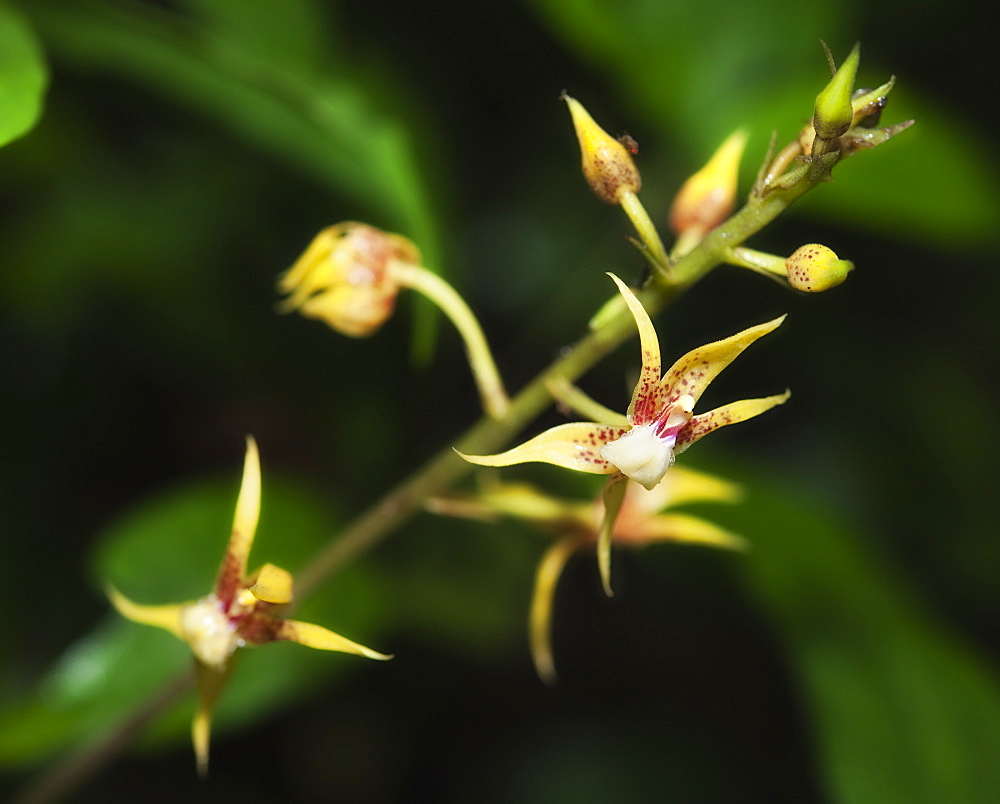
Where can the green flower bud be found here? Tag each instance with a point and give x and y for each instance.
(814, 268)
(834, 113)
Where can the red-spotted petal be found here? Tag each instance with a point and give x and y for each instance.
(693, 372)
(704, 423)
(571, 446)
(643, 407)
(234, 564)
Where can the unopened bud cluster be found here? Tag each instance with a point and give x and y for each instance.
(345, 277)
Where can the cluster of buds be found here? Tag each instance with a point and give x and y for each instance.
(844, 121)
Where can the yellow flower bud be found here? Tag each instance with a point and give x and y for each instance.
(707, 198)
(345, 277)
(815, 267)
(607, 164)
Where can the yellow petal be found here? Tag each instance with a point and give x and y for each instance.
(644, 405)
(210, 684)
(167, 617)
(572, 446)
(693, 372)
(704, 423)
(681, 485)
(234, 564)
(272, 585)
(683, 528)
(540, 617)
(614, 493)
(315, 636)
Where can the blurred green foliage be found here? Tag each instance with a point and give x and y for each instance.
(187, 152)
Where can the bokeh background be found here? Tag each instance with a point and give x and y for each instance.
(189, 150)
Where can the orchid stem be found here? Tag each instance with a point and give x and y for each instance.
(484, 369)
(636, 212)
(487, 435)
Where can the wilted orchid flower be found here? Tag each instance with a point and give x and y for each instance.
(240, 611)
(576, 525)
(350, 276)
(660, 422)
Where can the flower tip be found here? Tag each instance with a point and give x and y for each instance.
(708, 197)
(833, 114)
(607, 164)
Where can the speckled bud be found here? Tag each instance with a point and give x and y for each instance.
(345, 277)
(815, 267)
(607, 164)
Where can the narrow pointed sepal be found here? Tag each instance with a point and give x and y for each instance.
(315, 636)
(572, 446)
(540, 618)
(642, 408)
(704, 423)
(211, 682)
(234, 562)
(167, 617)
(686, 529)
(614, 493)
(247, 506)
(693, 373)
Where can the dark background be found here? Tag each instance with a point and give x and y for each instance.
(183, 162)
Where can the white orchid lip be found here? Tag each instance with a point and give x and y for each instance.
(641, 455)
(209, 631)
(644, 453)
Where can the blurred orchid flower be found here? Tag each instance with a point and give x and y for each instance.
(242, 610)
(576, 524)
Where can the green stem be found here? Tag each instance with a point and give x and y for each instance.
(488, 435)
(484, 369)
(650, 238)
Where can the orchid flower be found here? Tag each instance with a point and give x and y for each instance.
(240, 611)
(660, 422)
(577, 525)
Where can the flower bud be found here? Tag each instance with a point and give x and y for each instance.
(345, 277)
(607, 164)
(833, 114)
(707, 198)
(815, 267)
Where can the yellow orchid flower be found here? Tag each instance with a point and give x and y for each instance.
(660, 422)
(242, 610)
(577, 526)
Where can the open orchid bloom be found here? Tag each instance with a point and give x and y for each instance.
(576, 525)
(660, 422)
(242, 610)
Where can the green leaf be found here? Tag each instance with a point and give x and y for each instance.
(23, 76)
(168, 550)
(328, 124)
(902, 710)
